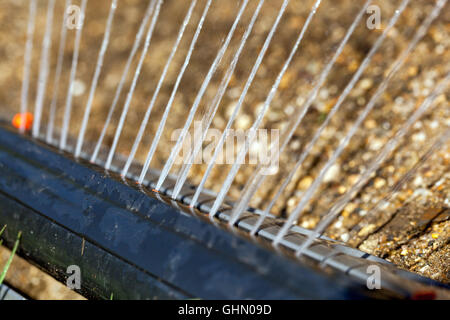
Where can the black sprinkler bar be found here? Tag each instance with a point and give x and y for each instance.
(130, 244)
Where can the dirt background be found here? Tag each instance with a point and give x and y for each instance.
(412, 230)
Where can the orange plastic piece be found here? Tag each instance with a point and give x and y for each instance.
(424, 295)
(24, 120)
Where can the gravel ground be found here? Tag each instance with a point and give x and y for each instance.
(412, 230)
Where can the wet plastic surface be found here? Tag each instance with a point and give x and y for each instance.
(129, 243)
(6, 293)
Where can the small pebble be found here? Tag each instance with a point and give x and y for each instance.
(287, 80)
(345, 237)
(412, 71)
(305, 183)
(342, 189)
(370, 124)
(332, 173)
(366, 83)
(324, 94)
(419, 137)
(351, 207)
(379, 183)
(434, 124)
(295, 145)
(291, 202)
(440, 49)
(243, 121)
(376, 144)
(300, 101)
(418, 181)
(78, 88)
(366, 230)
(429, 83)
(289, 110)
(230, 109)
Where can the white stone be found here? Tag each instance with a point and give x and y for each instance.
(345, 237)
(332, 173)
(78, 88)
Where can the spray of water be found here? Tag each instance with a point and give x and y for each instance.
(252, 132)
(158, 88)
(250, 79)
(44, 69)
(59, 64)
(73, 74)
(258, 177)
(27, 61)
(442, 139)
(163, 121)
(134, 49)
(381, 88)
(193, 110)
(97, 72)
(199, 138)
(137, 73)
(373, 166)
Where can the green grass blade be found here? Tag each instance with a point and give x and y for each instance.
(10, 259)
(1, 232)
